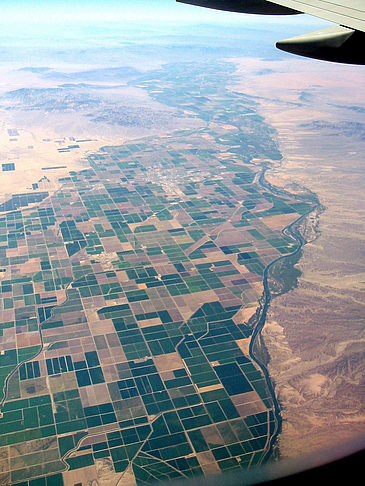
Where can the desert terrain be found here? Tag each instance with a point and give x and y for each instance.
(315, 333)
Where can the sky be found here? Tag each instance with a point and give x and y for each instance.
(90, 11)
(101, 10)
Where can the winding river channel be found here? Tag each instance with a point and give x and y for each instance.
(293, 231)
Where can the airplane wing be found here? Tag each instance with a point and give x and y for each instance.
(349, 13)
(341, 43)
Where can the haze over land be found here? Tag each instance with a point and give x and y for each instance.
(159, 182)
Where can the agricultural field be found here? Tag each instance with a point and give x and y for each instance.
(129, 295)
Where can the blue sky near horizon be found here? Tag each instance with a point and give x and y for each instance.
(101, 11)
(104, 10)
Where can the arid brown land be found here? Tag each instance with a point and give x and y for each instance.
(315, 333)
